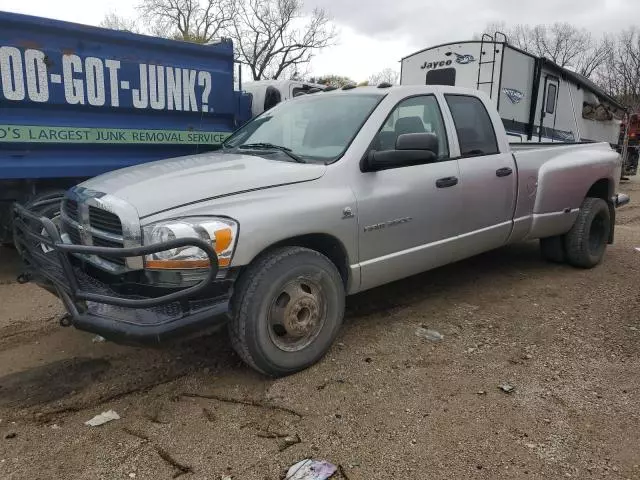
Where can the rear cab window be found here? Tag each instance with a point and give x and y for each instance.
(474, 127)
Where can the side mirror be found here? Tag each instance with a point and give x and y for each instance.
(411, 149)
(417, 141)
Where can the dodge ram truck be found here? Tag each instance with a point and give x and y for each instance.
(323, 196)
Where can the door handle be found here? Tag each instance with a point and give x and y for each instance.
(446, 182)
(503, 172)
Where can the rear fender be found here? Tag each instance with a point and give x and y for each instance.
(565, 180)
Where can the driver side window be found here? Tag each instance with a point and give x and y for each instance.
(414, 115)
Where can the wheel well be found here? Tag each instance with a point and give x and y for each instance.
(323, 243)
(601, 189)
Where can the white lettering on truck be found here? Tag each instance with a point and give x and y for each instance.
(12, 76)
(37, 82)
(113, 66)
(174, 89)
(141, 95)
(27, 75)
(73, 87)
(156, 84)
(204, 80)
(95, 81)
(189, 89)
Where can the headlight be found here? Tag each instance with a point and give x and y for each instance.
(221, 233)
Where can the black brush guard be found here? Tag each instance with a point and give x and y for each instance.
(93, 306)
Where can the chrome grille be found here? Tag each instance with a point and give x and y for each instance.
(105, 221)
(70, 207)
(102, 242)
(73, 233)
(104, 229)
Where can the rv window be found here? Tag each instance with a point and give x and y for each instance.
(442, 76)
(297, 91)
(272, 97)
(414, 115)
(552, 92)
(473, 125)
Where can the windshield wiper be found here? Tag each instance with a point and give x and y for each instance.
(271, 146)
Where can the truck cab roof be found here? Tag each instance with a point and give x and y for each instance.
(402, 91)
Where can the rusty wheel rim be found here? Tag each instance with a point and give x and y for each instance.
(297, 315)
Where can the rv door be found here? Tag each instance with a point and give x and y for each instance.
(549, 107)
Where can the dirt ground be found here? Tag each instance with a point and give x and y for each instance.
(384, 404)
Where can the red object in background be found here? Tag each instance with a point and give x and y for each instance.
(634, 128)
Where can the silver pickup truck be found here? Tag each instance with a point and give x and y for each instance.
(323, 196)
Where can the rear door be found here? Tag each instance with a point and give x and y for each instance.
(549, 107)
(488, 179)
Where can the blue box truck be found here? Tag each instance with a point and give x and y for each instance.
(77, 101)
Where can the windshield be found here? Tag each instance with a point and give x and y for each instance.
(316, 127)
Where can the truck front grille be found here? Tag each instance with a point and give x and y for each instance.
(74, 235)
(105, 221)
(70, 207)
(102, 224)
(101, 242)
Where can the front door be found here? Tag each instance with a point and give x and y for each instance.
(407, 215)
(488, 179)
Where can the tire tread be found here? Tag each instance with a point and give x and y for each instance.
(576, 241)
(246, 289)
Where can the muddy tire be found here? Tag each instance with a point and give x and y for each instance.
(552, 249)
(286, 311)
(587, 240)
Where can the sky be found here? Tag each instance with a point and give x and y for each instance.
(376, 34)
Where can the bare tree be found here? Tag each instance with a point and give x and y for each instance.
(274, 37)
(491, 28)
(199, 21)
(620, 75)
(337, 81)
(116, 22)
(387, 75)
(594, 58)
(562, 43)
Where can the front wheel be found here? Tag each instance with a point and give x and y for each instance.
(587, 240)
(287, 310)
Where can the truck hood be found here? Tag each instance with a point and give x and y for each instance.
(167, 184)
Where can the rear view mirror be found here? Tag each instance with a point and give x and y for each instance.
(411, 149)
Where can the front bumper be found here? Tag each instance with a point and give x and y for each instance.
(96, 307)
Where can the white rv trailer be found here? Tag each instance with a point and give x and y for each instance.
(538, 100)
(268, 93)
